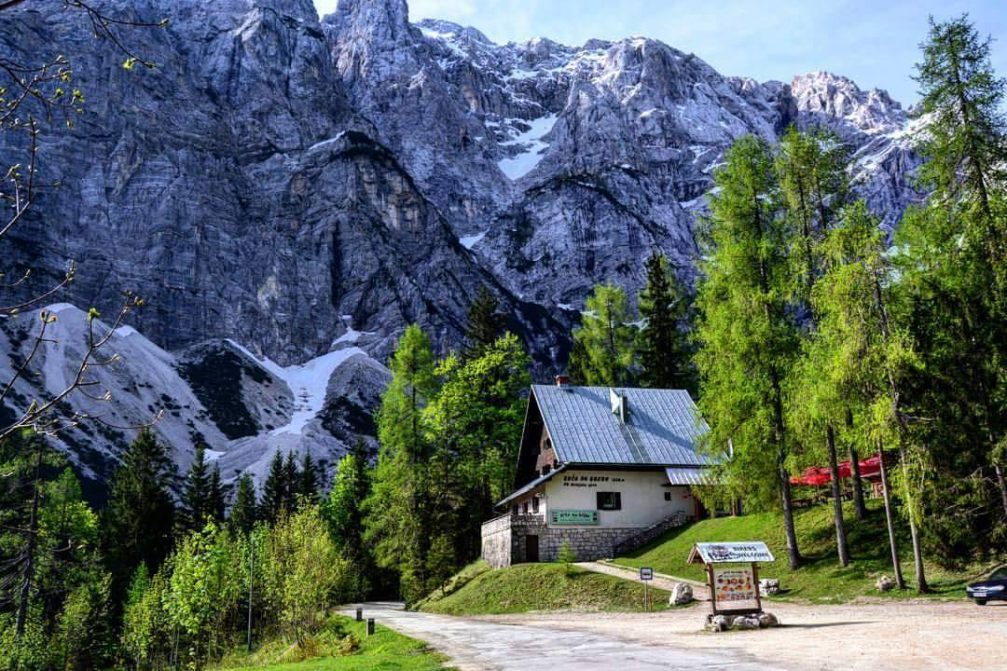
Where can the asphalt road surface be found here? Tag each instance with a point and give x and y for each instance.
(479, 645)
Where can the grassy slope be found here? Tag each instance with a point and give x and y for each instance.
(385, 651)
(821, 579)
(479, 590)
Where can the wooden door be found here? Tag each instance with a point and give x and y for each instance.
(531, 549)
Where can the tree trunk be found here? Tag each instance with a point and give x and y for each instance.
(793, 553)
(914, 533)
(900, 582)
(837, 498)
(1003, 486)
(859, 505)
(24, 595)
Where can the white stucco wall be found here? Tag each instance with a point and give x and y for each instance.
(642, 492)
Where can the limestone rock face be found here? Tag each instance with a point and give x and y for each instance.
(280, 180)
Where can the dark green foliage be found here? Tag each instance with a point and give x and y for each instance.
(485, 324)
(663, 343)
(137, 524)
(307, 480)
(244, 510)
(198, 498)
(291, 482)
(274, 491)
(344, 512)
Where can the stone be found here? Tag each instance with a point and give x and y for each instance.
(681, 594)
(744, 622)
(767, 620)
(717, 623)
(884, 584)
(769, 586)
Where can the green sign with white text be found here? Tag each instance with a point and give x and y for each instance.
(573, 517)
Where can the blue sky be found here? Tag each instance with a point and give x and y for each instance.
(872, 41)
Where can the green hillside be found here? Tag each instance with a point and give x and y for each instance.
(479, 590)
(821, 579)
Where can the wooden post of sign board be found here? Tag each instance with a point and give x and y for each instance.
(713, 588)
(758, 592)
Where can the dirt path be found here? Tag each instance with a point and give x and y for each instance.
(660, 581)
(485, 645)
(889, 636)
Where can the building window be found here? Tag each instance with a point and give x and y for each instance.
(534, 506)
(609, 500)
(667, 496)
(525, 508)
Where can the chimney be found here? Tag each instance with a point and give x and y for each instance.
(561, 380)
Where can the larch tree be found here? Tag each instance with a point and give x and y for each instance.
(399, 509)
(811, 168)
(605, 340)
(747, 337)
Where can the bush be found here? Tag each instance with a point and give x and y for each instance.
(567, 556)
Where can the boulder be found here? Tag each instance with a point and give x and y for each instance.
(767, 620)
(884, 583)
(745, 622)
(681, 594)
(769, 586)
(717, 623)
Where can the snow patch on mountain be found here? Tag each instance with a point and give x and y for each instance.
(532, 147)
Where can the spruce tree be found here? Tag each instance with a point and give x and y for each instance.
(747, 336)
(307, 480)
(485, 324)
(196, 509)
(217, 498)
(274, 491)
(606, 339)
(665, 351)
(244, 509)
(291, 482)
(137, 524)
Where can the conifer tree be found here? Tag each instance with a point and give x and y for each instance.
(811, 168)
(747, 338)
(244, 510)
(605, 339)
(291, 482)
(665, 352)
(274, 490)
(196, 509)
(399, 510)
(485, 324)
(307, 480)
(137, 524)
(217, 500)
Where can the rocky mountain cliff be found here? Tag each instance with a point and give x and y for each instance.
(281, 182)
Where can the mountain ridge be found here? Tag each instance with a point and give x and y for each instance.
(282, 180)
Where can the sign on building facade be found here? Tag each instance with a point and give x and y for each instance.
(573, 517)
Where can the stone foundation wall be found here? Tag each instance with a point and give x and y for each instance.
(497, 542)
(588, 544)
(504, 540)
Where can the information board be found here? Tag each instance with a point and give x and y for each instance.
(734, 588)
(573, 517)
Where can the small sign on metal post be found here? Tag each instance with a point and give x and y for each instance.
(646, 575)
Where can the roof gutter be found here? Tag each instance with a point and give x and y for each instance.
(530, 486)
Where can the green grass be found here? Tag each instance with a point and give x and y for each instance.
(479, 590)
(821, 579)
(386, 650)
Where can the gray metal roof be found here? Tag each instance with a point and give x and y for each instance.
(661, 427)
(690, 475)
